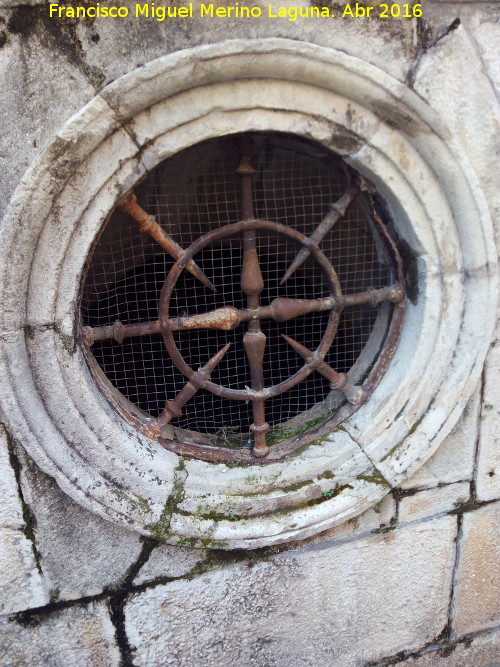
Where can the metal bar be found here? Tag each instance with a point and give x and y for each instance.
(173, 408)
(228, 317)
(148, 224)
(336, 212)
(283, 309)
(246, 171)
(255, 345)
(252, 284)
(339, 381)
(388, 239)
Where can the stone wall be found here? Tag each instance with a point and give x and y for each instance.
(413, 581)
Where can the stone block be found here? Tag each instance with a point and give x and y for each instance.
(487, 35)
(169, 561)
(440, 81)
(477, 594)
(454, 459)
(488, 464)
(430, 502)
(41, 87)
(100, 552)
(338, 605)
(81, 636)
(21, 585)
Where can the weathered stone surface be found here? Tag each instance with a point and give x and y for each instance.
(141, 40)
(433, 501)
(169, 561)
(454, 459)
(21, 585)
(11, 513)
(76, 637)
(379, 516)
(477, 594)
(440, 81)
(481, 651)
(488, 464)
(100, 552)
(278, 486)
(338, 606)
(487, 35)
(43, 84)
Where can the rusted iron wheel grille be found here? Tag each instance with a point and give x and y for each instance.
(263, 375)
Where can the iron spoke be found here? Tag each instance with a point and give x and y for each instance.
(338, 381)
(173, 408)
(389, 240)
(148, 225)
(225, 319)
(336, 212)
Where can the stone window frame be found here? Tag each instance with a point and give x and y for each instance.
(50, 402)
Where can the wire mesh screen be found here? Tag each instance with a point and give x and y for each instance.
(195, 192)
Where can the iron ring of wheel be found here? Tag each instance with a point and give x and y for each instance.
(318, 355)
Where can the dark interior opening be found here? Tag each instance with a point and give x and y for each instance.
(190, 194)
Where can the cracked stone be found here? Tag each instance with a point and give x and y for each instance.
(21, 585)
(477, 595)
(430, 502)
(384, 43)
(483, 651)
(327, 605)
(11, 512)
(487, 35)
(169, 561)
(76, 637)
(454, 459)
(37, 80)
(488, 464)
(100, 552)
(379, 516)
(441, 81)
